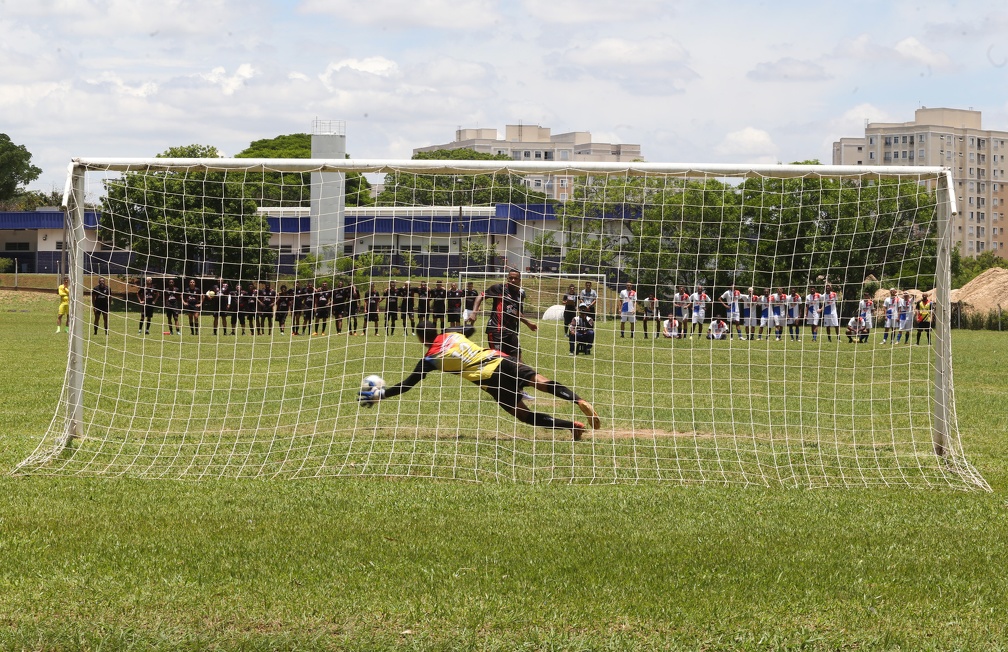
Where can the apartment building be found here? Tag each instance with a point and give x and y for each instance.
(952, 138)
(537, 143)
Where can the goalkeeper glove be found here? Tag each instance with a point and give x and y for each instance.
(369, 398)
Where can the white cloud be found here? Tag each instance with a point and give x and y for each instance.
(914, 51)
(748, 144)
(451, 15)
(788, 69)
(626, 52)
(567, 12)
(115, 82)
(908, 50)
(229, 83)
(651, 66)
(355, 73)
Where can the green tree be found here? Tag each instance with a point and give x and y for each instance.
(365, 263)
(16, 169)
(294, 188)
(479, 252)
(543, 245)
(410, 189)
(965, 269)
(188, 222)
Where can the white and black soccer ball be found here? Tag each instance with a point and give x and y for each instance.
(210, 294)
(371, 383)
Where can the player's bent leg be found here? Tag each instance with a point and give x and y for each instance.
(521, 412)
(548, 386)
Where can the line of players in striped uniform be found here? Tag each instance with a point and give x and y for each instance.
(754, 314)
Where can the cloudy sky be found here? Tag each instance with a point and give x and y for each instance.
(727, 81)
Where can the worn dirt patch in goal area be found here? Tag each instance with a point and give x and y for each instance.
(984, 293)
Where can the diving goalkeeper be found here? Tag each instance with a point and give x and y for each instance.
(496, 373)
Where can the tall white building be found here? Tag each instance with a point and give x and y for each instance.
(536, 143)
(951, 138)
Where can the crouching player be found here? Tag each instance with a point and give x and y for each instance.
(671, 329)
(856, 328)
(718, 330)
(496, 373)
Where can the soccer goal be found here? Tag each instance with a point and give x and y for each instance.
(545, 292)
(795, 369)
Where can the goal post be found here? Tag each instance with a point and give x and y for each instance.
(548, 288)
(236, 348)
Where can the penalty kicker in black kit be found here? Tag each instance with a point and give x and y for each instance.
(494, 372)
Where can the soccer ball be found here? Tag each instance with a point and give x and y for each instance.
(210, 294)
(371, 383)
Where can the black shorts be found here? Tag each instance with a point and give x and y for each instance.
(504, 342)
(323, 313)
(372, 316)
(508, 380)
(100, 308)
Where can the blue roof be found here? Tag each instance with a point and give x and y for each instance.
(41, 220)
(289, 224)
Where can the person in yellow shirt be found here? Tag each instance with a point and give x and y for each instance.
(496, 373)
(923, 310)
(64, 306)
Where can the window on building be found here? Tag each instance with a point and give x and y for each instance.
(59, 245)
(538, 183)
(16, 246)
(972, 141)
(871, 156)
(871, 140)
(440, 249)
(888, 140)
(904, 141)
(859, 162)
(563, 196)
(347, 250)
(980, 246)
(563, 183)
(564, 155)
(538, 155)
(859, 148)
(306, 249)
(380, 248)
(286, 249)
(528, 154)
(920, 153)
(904, 154)
(548, 156)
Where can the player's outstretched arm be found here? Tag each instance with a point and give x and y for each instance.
(419, 373)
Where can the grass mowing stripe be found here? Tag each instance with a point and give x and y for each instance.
(254, 564)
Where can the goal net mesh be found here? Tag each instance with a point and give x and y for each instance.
(221, 386)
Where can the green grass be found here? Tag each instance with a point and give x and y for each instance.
(364, 563)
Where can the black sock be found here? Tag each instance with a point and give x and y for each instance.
(558, 390)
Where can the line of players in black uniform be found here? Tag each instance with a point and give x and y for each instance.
(255, 307)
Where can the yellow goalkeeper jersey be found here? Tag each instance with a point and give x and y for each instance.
(455, 353)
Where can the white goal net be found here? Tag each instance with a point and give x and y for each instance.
(776, 325)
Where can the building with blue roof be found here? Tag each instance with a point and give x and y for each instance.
(435, 235)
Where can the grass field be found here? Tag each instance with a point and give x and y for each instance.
(117, 563)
